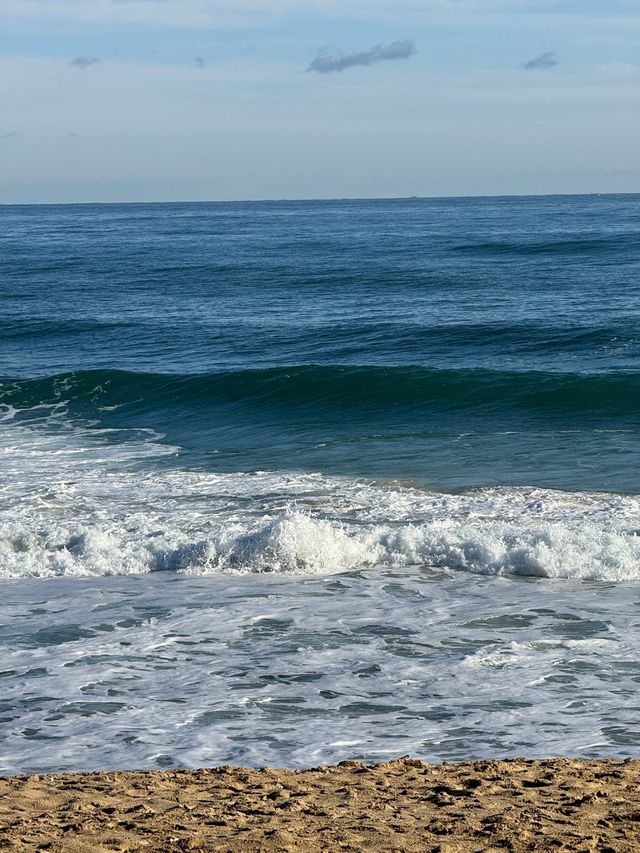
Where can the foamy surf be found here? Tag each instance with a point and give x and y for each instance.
(108, 520)
(297, 543)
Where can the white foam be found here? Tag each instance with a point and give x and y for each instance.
(202, 538)
(290, 543)
(76, 504)
(267, 670)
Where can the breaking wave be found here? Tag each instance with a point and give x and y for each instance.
(535, 543)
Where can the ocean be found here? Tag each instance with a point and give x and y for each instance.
(292, 482)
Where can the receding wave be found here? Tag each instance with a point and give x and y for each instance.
(331, 386)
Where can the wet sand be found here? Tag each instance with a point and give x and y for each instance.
(403, 805)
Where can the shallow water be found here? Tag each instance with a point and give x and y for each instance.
(264, 669)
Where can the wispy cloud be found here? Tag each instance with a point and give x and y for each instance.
(545, 60)
(324, 63)
(83, 62)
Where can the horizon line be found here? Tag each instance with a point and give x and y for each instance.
(284, 200)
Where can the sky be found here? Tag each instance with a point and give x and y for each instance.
(178, 100)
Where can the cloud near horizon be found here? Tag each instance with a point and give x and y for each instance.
(326, 64)
(545, 60)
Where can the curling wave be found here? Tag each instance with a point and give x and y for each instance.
(369, 388)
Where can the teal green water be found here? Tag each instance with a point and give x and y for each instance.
(455, 343)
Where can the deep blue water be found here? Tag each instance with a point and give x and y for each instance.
(454, 343)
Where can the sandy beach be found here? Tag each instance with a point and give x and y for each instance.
(403, 805)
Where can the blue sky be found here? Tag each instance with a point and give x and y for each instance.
(109, 100)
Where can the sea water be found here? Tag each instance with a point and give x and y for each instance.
(285, 483)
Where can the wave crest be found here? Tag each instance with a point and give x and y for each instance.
(297, 543)
(89, 393)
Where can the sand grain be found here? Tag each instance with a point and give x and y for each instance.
(404, 805)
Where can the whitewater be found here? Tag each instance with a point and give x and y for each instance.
(289, 483)
(80, 512)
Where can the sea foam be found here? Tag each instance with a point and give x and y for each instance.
(306, 542)
(77, 504)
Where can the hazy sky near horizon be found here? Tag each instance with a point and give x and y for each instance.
(151, 100)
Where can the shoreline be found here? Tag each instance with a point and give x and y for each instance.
(560, 804)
